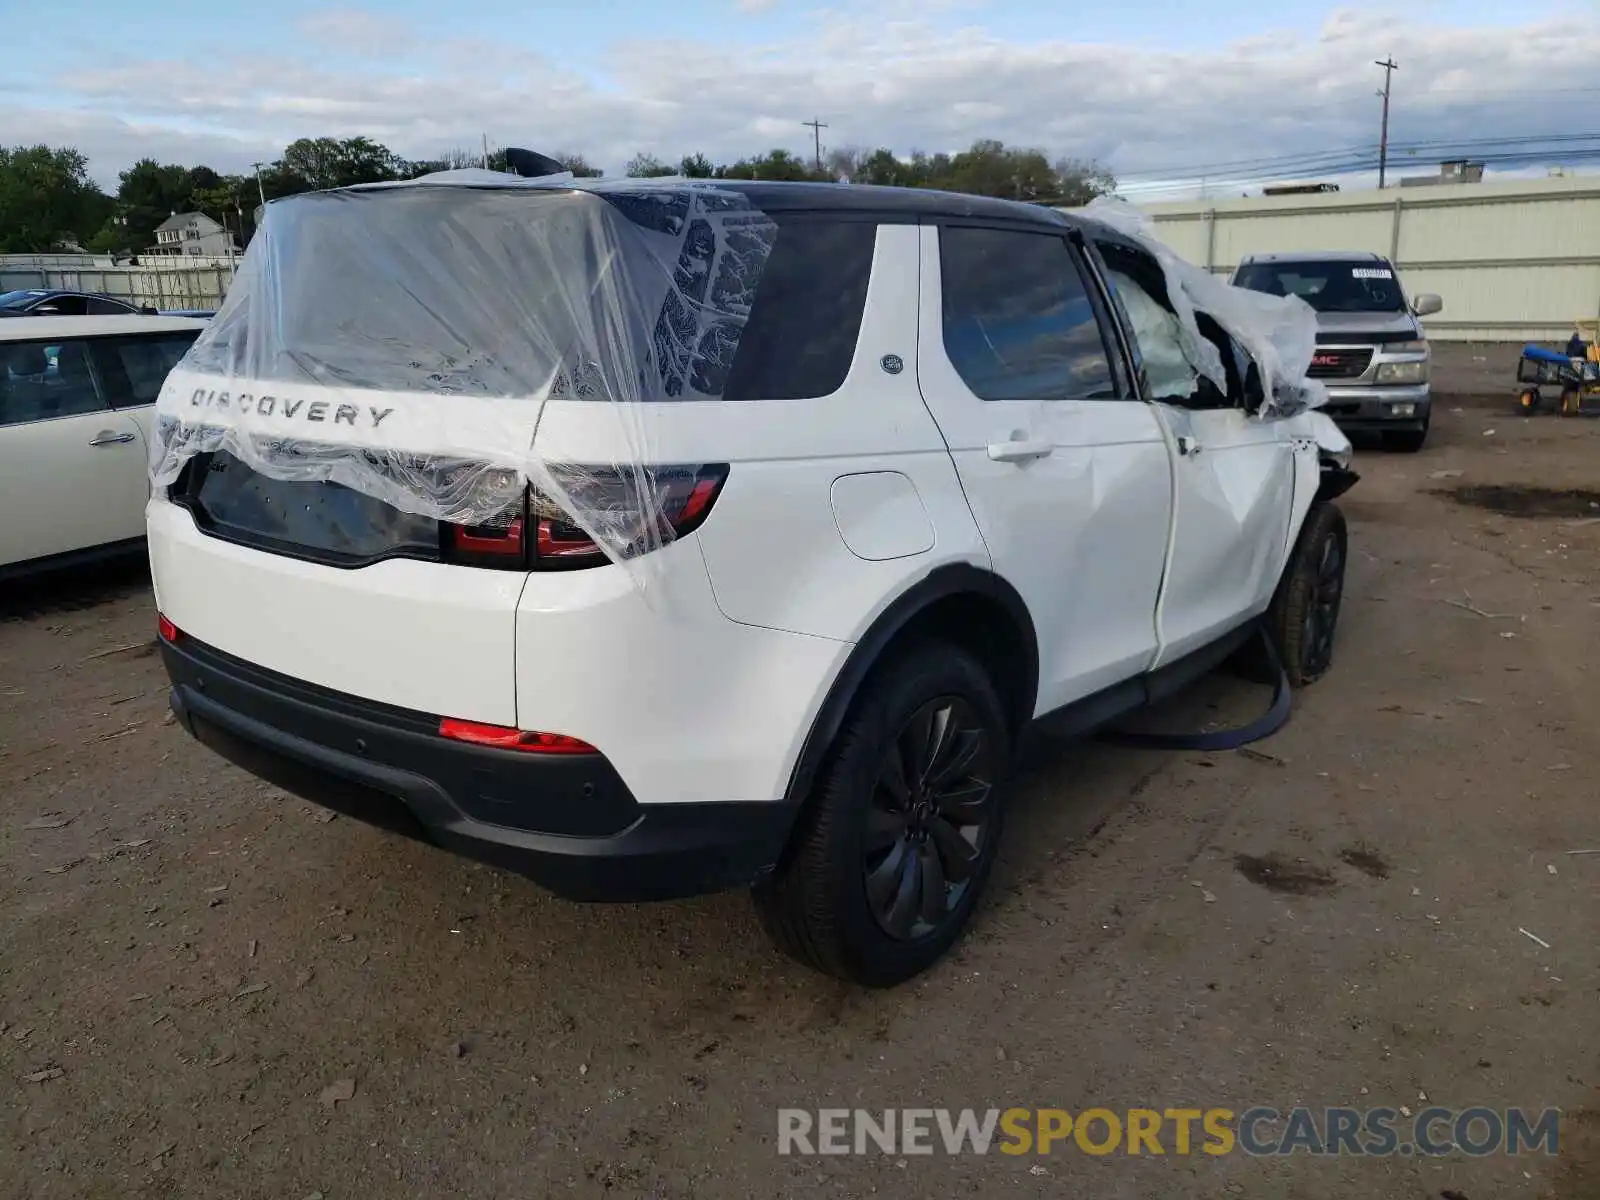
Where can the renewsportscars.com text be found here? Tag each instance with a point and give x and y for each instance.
(1373, 1132)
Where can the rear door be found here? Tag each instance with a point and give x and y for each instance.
(1065, 469)
(132, 368)
(72, 470)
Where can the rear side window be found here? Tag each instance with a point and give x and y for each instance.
(42, 381)
(103, 307)
(1018, 321)
(134, 368)
(801, 335)
(62, 306)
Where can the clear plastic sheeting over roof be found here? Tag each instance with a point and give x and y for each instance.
(403, 341)
(1279, 332)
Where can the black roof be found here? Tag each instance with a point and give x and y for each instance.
(774, 197)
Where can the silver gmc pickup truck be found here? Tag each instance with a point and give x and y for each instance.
(1372, 353)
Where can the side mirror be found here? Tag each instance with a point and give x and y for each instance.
(1426, 304)
(47, 310)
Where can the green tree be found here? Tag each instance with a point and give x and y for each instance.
(1081, 180)
(578, 165)
(696, 166)
(648, 166)
(326, 162)
(883, 168)
(47, 200)
(147, 194)
(773, 165)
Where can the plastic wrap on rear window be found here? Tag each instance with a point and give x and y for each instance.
(404, 340)
(1279, 332)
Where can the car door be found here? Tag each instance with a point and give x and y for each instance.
(72, 471)
(132, 368)
(1233, 474)
(1065, 470)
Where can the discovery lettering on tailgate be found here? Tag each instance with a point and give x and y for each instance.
(290, 409)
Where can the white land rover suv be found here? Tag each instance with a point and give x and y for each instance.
(651, 539)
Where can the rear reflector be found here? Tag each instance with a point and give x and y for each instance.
(167, 630)
(502, 737)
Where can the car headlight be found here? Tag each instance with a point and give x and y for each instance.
(1403, 372)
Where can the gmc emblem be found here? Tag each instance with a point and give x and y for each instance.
(1324, 360)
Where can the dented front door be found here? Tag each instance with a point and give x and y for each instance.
(1234, 488)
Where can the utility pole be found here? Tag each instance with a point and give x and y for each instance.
(1389, 68)
(260, 190)
(816, 128)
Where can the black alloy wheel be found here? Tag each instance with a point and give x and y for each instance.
(1322, 612)
(928, 818)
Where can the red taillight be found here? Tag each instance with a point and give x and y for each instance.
(490, 540)
(503, 737)
(683, 500)
(166, 629)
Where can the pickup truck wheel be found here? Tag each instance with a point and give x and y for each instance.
(897, 840)
(1406, 441)
(1304, 615)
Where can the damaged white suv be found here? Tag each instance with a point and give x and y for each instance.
(649, 539)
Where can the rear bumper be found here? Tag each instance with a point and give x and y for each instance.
(568, 822)
(1378, 408)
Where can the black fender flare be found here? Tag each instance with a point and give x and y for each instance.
(955, 579)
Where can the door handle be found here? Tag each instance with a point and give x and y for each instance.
(107, 437)
(1187, 445)
(1019, 450)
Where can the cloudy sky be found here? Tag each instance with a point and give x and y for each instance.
(1155, 88)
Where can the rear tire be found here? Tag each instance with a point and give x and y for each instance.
(897, 839)
(1304, 614)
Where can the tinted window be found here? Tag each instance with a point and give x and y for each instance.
(63, 306)
(40, 382)
(801, 334)
(134, 368)
(1018, 322)
(1364, 286)
(101, 306)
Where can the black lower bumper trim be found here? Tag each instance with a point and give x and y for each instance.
(384, 767)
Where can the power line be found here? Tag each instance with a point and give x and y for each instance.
(1314, 160)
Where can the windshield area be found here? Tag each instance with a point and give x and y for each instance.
(1330, 287)
(20, 299)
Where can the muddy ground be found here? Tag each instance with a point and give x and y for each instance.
(196, 970)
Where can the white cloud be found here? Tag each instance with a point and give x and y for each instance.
(755, 6)
(356, 31)
(878, 75)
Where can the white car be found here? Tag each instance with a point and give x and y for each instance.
(883, 486)
(76, 397)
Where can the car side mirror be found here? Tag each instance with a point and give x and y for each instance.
(1426, 304)
(47, 310)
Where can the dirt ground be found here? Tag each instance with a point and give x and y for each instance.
(194, 968)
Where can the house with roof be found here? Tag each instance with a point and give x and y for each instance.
(194, 233)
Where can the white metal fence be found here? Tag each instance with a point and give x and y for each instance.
(1513, 261)
(180, 283)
